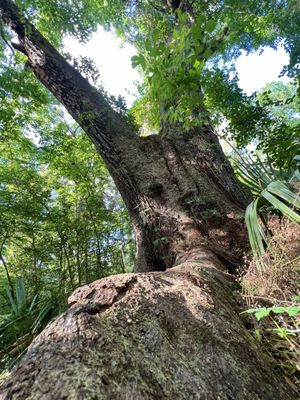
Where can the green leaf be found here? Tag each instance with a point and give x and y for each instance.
(210, 25)
(293, 311)
(279, 205)
(138, 60)
(256, 235)
(259, 313)
(281, 190)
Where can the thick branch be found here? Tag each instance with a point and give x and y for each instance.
(111, 135)
(86, 105)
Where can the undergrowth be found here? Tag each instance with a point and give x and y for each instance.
(272, 295)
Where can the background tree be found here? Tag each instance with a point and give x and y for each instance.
(62, 222)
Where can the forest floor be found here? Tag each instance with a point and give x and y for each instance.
(273, 290)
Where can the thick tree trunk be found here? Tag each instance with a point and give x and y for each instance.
(190, 205)
(182, 195)
(161, 335)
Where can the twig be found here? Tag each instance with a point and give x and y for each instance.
(270, 299)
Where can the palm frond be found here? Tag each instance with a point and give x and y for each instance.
(271, 192)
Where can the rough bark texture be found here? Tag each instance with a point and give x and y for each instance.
(161, 335)
(181, 193)
(189, 201)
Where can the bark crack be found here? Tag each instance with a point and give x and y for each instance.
(110, 295)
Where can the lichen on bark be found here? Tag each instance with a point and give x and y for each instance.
(161, 335)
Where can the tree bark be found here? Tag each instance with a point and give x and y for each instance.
(162, 335)
(181, 193)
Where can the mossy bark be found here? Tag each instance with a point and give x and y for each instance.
(163, 335)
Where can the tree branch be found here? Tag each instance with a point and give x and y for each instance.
(112, 136)
(86, 105)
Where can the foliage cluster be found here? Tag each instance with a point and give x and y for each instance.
(187, 60)
(25, 319)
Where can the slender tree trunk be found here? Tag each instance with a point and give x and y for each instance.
(86, 263)
(122, 258)
(69, 266)
(98, 256)
(2, 259)
(77, 244)
(35, 264)
(173, 334)
(78, 264)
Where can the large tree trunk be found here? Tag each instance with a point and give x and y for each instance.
(189, 203)
(181, 193)
(162, 335)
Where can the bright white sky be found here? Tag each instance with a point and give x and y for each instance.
(114, 63)
(255, 70)
(113, 59)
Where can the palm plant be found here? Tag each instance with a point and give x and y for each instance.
(26, 317)
(272, 192)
